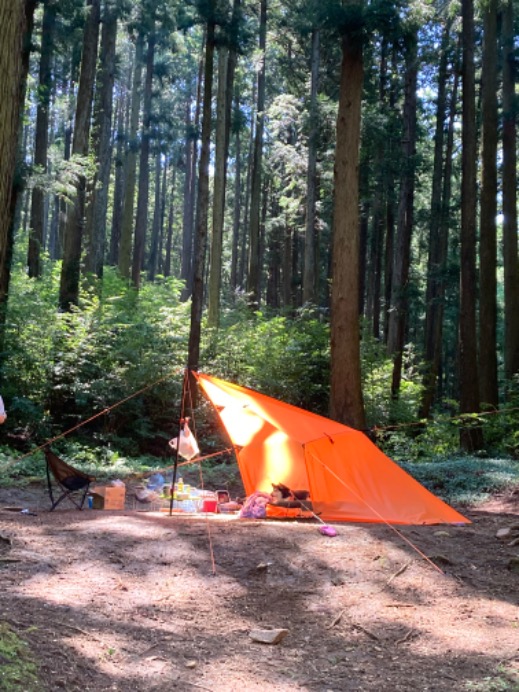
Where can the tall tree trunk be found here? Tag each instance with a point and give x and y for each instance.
(471, 437)
(169, 235)
(155, 233)
(310, 286)
(119, 172)
(488, 386)
(435, 260)
(346, 402)
(16, 21)
(130, 174)
(70, 270)
(402, 250)
(509, 174)
(244, 249)
(254, 271)
(221, 139)
(41, 145)
(101, 135)
(141, 220)
(203, 207)
(237, 204)
(186, 270)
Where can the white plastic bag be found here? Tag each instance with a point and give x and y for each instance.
(187, 446)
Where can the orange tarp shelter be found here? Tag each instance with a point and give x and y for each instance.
(348, 477)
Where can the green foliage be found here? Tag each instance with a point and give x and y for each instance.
(286, 358)
(465, 480)
(86, 361)
(18, 672)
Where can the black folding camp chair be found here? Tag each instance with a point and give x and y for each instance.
(72, 483)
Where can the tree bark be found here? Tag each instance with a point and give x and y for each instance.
(70, 270)
(141, 220)
(203, 207)
(509, 174)
(125, 250)
(471, 437)
(435, 260)
(402, 249)
(488, 386)
(15, 20)
(41, 145)
(254, 270)
(346, 403)
(101, 135)
(310, 284)
(221, 139)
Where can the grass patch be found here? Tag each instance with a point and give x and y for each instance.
(18, 672)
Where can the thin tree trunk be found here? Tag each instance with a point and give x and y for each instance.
(509, 174)
(435, 259)
(155, 233)
(402, 251)
(471, 437)
(141, 220)
(36, 235)
(221, 138)
(70, 270)
(203, 207)
(254, 271)
(169, 235)
(237, 206)
(119, 171)
(310, 284)
(488, 385)
(102, 130)
(346, 402)
(125, 250)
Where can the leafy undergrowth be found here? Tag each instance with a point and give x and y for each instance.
(465, 480)
(18, 672)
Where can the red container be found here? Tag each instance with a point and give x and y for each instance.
(209, 506)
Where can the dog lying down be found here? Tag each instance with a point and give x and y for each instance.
(283, 496)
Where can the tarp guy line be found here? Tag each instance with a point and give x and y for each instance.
(393, 528)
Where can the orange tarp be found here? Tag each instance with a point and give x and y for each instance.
(348, 477)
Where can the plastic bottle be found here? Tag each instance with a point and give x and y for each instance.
(180, 485)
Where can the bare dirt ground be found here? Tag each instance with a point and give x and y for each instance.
(132, 600)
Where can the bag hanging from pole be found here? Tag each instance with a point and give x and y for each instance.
(187, 445)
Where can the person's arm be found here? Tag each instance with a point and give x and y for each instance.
(3, 414)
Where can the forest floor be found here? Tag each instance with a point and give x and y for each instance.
(132, 600)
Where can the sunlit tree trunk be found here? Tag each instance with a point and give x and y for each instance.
(471, 437)
(346, 402)
(510, 255)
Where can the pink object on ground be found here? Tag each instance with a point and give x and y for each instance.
(328, 531)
